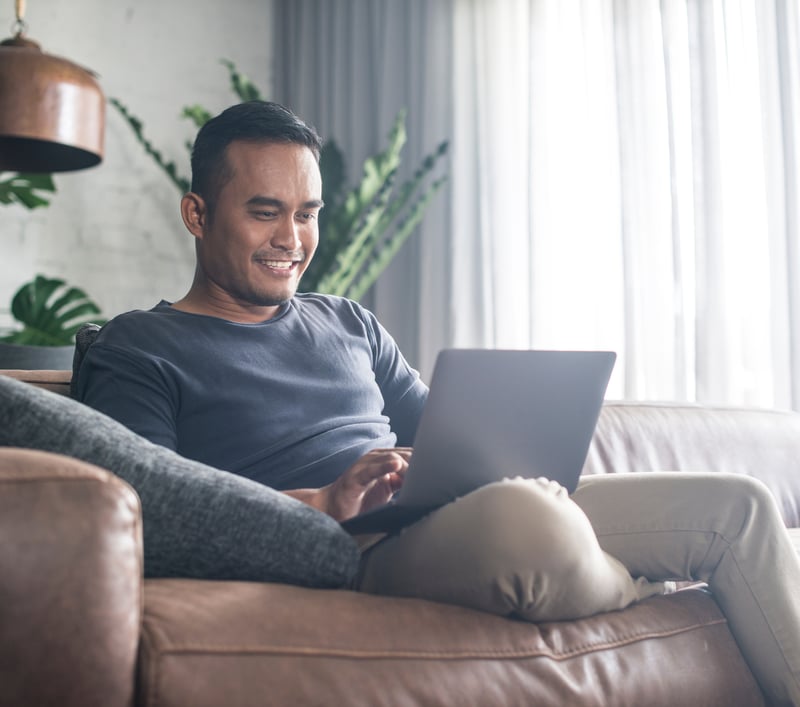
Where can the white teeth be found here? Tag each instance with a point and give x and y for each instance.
(280, 264)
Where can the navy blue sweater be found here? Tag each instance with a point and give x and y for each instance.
(290, 402)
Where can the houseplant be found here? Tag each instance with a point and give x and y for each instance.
(50, 312)
(26, 348)
(362, 228)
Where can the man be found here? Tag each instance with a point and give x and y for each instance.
(310, 395)
(253, 211)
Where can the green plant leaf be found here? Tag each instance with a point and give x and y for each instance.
(197, 114)
(372, 234)
(51, 312)
(240, 84)
(347, 222)
(384, 253)
(21, 189)
(359, 243)
(182, 183)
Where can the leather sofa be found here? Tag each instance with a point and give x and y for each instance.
(80, 626)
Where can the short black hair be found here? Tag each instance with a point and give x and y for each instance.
(255, 121)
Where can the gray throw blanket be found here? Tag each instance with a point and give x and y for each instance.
(198, 521)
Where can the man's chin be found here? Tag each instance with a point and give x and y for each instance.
(271, 299)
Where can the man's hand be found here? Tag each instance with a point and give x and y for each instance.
(370, 482)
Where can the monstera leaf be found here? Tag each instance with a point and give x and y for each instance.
(51, 312)
(25, 189)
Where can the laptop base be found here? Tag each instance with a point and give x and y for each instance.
(389, 518)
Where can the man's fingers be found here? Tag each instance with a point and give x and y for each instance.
(369, 482)
(381, 462)
(396, 480)
(404, 452)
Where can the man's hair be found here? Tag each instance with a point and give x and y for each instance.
(254, 121)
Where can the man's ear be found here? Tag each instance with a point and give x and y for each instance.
(194, 213)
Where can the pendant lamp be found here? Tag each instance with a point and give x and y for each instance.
(52, 112)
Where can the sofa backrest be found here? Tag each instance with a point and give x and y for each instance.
(56, 381)
(662, 436)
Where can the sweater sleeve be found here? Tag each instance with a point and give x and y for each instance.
(404, 393)
(131, 390)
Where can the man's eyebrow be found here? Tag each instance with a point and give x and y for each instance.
(277, 203)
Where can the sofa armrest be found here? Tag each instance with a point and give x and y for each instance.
(70, 582)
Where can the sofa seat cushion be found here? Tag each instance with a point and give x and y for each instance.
(213, 643)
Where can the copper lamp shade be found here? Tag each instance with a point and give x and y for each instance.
(52, 112)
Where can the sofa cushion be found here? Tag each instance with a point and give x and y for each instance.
(248, 644)
(198, 521)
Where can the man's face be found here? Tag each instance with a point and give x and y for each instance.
(262, 230)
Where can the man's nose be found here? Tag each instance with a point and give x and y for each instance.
(286, 235)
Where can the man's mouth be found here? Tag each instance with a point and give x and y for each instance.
(279, 264)
(288, 262)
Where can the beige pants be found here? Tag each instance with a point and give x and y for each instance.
(525, 548)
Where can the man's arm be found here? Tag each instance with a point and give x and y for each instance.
(404, 393)
(117, 383)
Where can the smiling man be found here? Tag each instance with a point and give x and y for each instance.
(308, 394)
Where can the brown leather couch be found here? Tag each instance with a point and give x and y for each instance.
(81, 627)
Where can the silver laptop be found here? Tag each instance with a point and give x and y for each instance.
(494, 414)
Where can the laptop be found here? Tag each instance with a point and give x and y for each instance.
(493, 414)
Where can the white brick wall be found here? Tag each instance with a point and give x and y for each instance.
(115, 229)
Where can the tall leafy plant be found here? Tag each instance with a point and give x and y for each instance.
(361, 228)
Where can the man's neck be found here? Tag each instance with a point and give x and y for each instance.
(230, 310)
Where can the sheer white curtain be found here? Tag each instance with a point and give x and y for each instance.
(623, 175)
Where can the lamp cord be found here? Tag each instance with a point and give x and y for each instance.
(19, 26)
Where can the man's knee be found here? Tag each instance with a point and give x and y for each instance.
(506, 529)
(517, 547)
(531, 544)
(524, 520)
(540, 554)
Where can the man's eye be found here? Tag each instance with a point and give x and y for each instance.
(265, 214)
(308, 216)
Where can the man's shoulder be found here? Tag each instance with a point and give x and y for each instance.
(136, 325)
